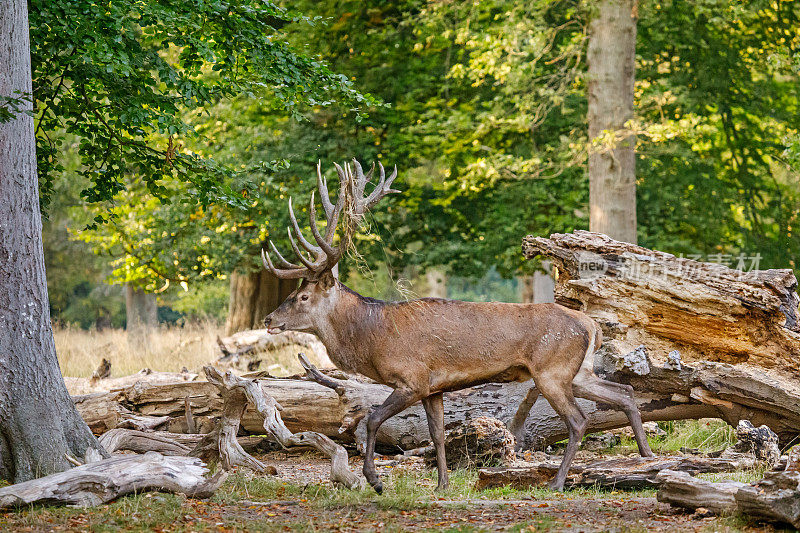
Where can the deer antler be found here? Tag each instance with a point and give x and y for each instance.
(324, 254)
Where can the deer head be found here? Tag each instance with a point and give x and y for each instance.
(317, 295)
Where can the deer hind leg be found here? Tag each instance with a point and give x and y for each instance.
(517, 425)
(398, 400)
(589, 386)
(434, 409)
(563, 402)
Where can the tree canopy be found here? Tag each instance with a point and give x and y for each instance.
(198, 123)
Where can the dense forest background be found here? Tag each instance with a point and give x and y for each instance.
(481, 105)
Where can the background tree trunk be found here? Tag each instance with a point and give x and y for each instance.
(539, 288)
(39, 425)
(437, 283)
(253, 296)
(141, 311)
(612, 167)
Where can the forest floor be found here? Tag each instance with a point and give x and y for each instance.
(301, 498)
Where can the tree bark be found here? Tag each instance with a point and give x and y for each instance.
(39, 425)
(612, 160)
(253, 296)
(141, 312)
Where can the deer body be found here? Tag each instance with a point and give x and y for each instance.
(448, 344)
(425, 347)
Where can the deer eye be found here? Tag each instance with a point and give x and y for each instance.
(304, 297)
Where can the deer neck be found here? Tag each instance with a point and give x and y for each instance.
(348, 331)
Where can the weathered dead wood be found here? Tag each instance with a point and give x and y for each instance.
(79, 386)
(102, 481)
(483, 441)
(244, 345)
(101, 372)
(141, 442)
(741, 328)
(103, 411)
(777, 496)
(760, 441)
(707, 311)
(681, 489)
(237, 392)
(221, 444)
(133, 440)
(622, 472)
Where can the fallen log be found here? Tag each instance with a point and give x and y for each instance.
(777, 496)
(706, 311)
(739, 330)
(132, 440)
(102, 481)
(618, 473)
(334, 407)
(79, 386)
(681, 489)
(141, 442)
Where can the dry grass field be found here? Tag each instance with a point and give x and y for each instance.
(167, 349)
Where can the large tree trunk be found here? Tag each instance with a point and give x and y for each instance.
(39, 425)
(141, 311)
(612, 164)
(253, 296)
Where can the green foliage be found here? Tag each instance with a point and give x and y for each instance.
(722, 77)
(121, 76)
(486, 122)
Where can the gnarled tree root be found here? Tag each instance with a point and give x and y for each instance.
(236, 392)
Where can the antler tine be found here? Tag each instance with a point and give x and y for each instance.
(326, 246)
(283, 262)
(382, 189)
(279, 273)
(311, 266)
(361, 180)
(303, 242)
(324, 196)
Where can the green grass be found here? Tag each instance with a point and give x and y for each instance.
(403, 490)
(705, 436)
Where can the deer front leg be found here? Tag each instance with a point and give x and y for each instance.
(434, 408)
(398, 400)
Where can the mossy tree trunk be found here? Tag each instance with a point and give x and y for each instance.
(39, 425)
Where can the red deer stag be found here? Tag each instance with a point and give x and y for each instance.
(426, 347)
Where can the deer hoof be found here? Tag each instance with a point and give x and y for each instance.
(555, 485)
(378, 486)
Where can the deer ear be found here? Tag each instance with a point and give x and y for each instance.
(326, 280)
